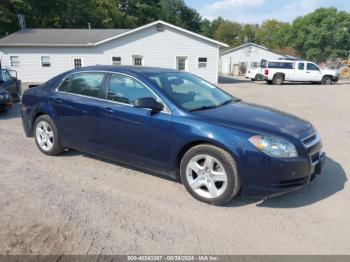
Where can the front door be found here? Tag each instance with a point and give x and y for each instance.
(76, 106)
(8, 82)
(130, 134)
(313, 72)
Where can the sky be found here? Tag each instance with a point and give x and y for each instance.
(256, 11)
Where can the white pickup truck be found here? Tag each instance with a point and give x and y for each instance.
(276, 72)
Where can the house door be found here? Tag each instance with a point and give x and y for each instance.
(181, 63)
(77, 62)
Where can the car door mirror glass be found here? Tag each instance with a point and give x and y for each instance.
(148, 103)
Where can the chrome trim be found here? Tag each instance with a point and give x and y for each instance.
(313, 142)
(166, 109)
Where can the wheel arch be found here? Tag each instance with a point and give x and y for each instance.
(279, 73)
(182, 151)
(34, 118)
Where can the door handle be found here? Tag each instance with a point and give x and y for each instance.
(109, 110)
(308, 72)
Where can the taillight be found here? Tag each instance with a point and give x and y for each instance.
(266, 72)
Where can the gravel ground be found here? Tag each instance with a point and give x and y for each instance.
(79, 204)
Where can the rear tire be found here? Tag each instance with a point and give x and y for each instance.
(46, 136)
(210, 174)
(326, 80)
(278, 79)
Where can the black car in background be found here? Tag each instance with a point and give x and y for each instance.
(9, 82)
(5, 100)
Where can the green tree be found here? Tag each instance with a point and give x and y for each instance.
(178, 13)
(322, 35)
(229, 32)
(273, 34)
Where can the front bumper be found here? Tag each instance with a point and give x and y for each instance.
(267, 177)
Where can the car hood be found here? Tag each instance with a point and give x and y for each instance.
(3, 91)
(256, 118)
(329, 72)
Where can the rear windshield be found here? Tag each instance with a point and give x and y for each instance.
(285, 65)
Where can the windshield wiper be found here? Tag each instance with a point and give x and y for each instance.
(202, 108)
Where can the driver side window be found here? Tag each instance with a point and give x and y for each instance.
(312, 67)
(5, 76)
(126, 90)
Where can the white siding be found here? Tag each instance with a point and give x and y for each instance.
(158, 49)
(247, 54)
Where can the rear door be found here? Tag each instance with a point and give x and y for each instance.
(300, 72)
(76, 105)
(8, 82)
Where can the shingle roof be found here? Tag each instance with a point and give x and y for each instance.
(60, 36)
(83, 37)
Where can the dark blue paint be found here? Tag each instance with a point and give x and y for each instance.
(156, 141)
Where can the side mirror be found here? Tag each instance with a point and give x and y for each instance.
(149, 103)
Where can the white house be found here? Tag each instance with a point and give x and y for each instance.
(244, 57)
(39, 54)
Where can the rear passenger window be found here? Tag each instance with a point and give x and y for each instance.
(126, 90)
(284, 65)
(301, 66)
(87, 84)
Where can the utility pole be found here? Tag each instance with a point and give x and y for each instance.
(21, 21)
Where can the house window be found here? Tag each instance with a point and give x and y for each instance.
(116, 60)
(181, 63)
(45, 61)
(77, 62)
(137, 60)
(14, 61)
(202, 62)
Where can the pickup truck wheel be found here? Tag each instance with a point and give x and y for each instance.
(278, 79)
(326, 80)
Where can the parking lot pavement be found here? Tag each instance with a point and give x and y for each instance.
(80, 204)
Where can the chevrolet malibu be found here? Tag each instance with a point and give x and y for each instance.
(176, 124)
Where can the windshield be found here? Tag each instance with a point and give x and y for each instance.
(190, 92)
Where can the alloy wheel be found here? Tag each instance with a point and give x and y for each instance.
(206, 176)
(44, 135)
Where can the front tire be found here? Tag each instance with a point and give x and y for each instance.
(210, 174)
(326, 80)
(46, 136)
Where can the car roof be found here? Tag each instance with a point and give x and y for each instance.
(125, 69)
(287, 61)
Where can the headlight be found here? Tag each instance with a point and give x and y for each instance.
(2, 96)
(273, 146)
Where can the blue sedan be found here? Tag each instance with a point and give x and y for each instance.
(177, 124)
